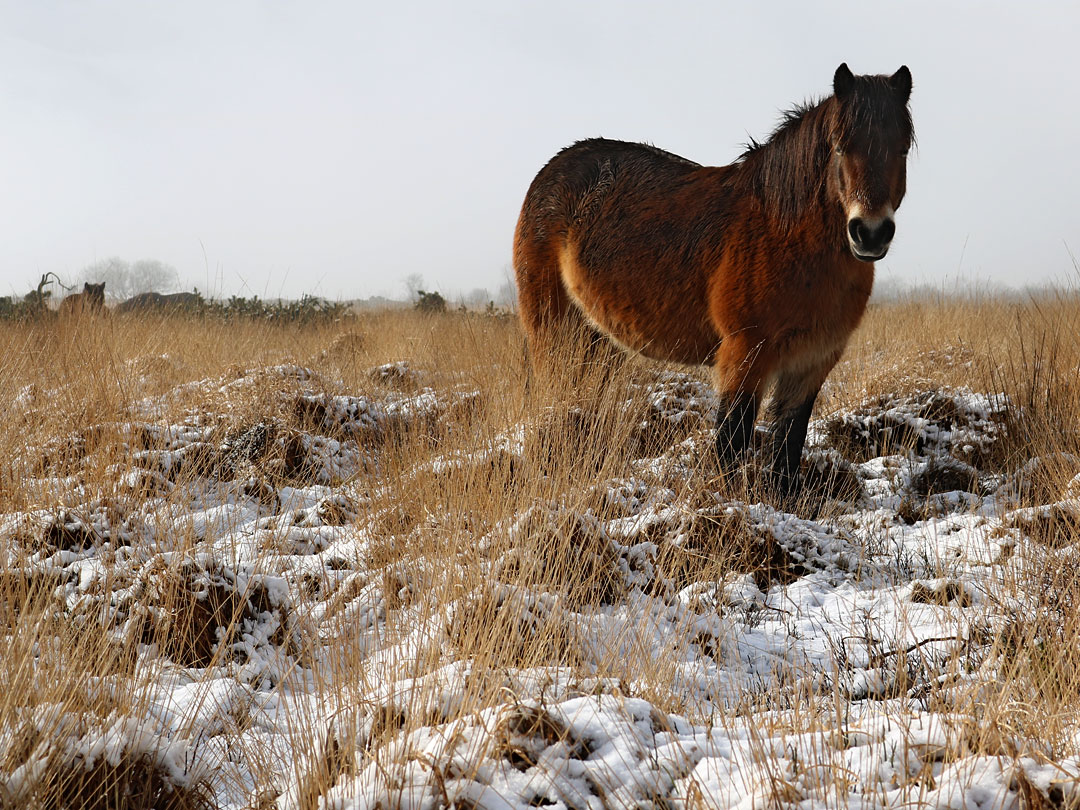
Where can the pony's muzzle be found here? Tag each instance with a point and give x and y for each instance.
(870, 238)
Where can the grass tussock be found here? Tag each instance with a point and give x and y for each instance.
(398, 518)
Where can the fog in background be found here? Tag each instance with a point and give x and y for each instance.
(339, 149)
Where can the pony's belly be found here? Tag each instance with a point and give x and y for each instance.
(643, 323)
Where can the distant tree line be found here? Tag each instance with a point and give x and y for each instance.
(310, 308)
(478, 299)
(150, 285)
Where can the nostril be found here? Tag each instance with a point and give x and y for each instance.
(869, 237)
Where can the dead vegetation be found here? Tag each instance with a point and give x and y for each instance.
(61, 769)
(422, 536)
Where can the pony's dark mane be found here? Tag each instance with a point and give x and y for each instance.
(787, 171)
(788, 118)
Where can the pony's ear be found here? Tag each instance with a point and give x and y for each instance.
(900, 82)
(843, 81)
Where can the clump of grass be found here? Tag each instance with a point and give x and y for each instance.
(68, 763)
(713, 545)
(76, 731)
(506, 625)
(197, 609)
(523, 733)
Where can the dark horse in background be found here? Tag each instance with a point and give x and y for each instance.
(91, 301)
(159, 302)
(761, 268)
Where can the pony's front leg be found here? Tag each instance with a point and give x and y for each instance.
(788, 437)
(740, 370)
(792, 404)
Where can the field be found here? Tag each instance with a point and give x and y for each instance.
(359, 564)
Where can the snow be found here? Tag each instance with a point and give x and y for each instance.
(808, 687)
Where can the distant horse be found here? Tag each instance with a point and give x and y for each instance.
(91, 301)
(158, 302)
(761, 268)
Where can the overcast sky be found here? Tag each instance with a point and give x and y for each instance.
(335, 148)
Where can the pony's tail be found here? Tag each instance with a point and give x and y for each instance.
(530, 383)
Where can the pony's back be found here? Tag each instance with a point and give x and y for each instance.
(580, 179)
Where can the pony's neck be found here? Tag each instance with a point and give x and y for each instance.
(788, 173)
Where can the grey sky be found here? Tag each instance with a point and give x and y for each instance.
(335, 148)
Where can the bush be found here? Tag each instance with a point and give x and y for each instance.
(429, 302)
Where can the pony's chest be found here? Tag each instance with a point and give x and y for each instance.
(822, 320)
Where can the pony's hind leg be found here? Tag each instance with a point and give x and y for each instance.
(735, 426)
(740, 370)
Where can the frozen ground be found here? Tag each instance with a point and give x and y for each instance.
(854, 662)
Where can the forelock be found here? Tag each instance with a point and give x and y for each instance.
(874, 105)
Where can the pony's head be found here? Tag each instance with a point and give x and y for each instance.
(95, 293)
(870, 133)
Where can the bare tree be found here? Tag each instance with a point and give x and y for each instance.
(507, 294)
(476, 298)
(123, 279)
(151, 275)
(414, 283)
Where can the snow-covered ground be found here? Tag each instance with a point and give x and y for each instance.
(853, 660)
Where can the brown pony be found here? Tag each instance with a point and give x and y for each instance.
(761, 268)
(91, 301)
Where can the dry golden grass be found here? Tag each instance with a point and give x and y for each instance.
(489, 557)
